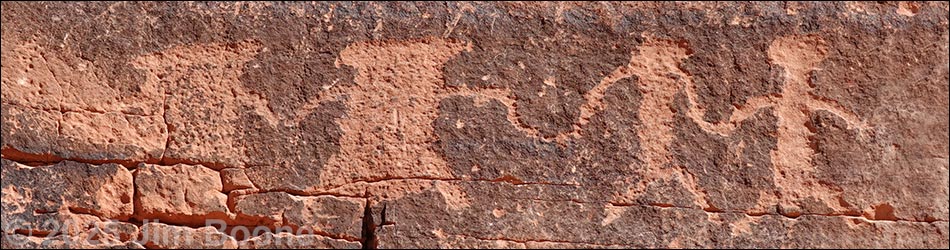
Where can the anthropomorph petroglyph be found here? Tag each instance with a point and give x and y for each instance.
(390, 108)
(660, 79)
(387, 130)
(389, 111)
(791, 160)
(656, 65)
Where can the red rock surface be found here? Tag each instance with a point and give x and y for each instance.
(475, 125)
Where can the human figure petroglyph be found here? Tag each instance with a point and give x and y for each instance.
(399, 86)
(387, 130)
(799, 55)
(657, 67)
(391, 107)
(661, 78)
(388, 69)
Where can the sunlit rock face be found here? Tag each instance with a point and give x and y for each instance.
(475, 125)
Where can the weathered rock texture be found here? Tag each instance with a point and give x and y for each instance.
(512, 125)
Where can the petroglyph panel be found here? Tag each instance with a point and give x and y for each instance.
(475, 125)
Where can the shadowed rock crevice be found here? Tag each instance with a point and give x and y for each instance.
(368, 234)
(33, 159)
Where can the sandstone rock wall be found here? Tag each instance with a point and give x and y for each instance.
(502, 125)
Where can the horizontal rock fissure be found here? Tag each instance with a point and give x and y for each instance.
(29, 159)
(424, 178)
(32, 232)
(303, 194)
(46, 159)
